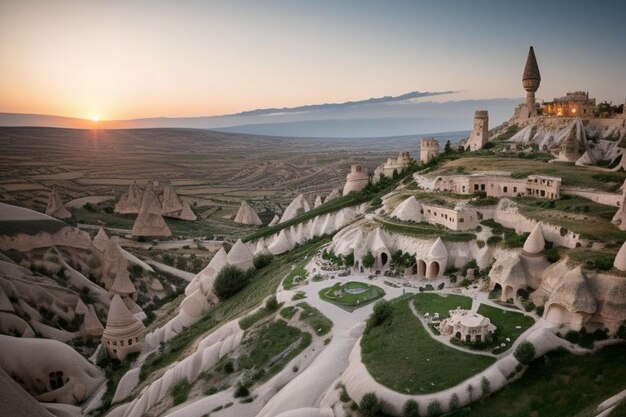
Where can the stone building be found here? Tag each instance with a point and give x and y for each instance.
(123, 333)
(576, 104)
(356, 180)
(392, 165)
(429, 149)
(467, 326)
(480, 134)
(500, 184)
(434, 263)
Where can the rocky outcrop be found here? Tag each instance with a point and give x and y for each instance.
(298, 206)
(247, 215)
(149, 221)
(55, 207)
(409, 210)
(130, 201)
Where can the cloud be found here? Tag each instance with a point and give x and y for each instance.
(348, 104)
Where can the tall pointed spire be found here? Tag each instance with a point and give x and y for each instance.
(531, 77)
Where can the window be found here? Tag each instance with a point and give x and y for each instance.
(506, 189)
(461, 220)
(482, 187)
(543, 193)
(130, 342)
(56, 380)
(475, 187)
(514, 189)
(114, 343)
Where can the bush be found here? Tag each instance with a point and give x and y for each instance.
(271, 304)
(411, 408)
(241, 391)
(525, 353)
(180, 391)
(262, 260)
(369, 405)
(382, 312)
(434, 408)
(486, 386)
(552, 255)
(454, 402)
(368, 260)
(230, 281)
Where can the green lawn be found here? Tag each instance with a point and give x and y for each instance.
(559, 385)
(320, 324)
(442, 304)
(506, 322)
(402, 356)
(351, 301)
(273, 344)
(425, 230)
(296, 276)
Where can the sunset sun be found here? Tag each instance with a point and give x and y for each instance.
(95, 118)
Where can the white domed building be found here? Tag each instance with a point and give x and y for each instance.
(123, 333)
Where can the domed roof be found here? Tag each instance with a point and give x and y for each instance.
(378, 240)
(620, 258)
(573, 293)
(408, 210)
(534, 242)
(240, 256)
(437, 250)
(508, 270)
(119, 316)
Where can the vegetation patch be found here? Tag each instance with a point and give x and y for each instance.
(270, 348)
(320, 324)
(510, 325)
(435, 303)
(296, 276)
(264, 283)
(561, 384)
(351, 295)
(271, 306)
(425, 230)
(401, 355)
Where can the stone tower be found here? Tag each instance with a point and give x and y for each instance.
(480, 135)
(531, 80)
(429, 149)
(356, 180)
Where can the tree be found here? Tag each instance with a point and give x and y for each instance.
(434, 408)
(470, 390)
(230, 281)
(448, 147)
(381, 313)
(348, 260)
(368, 260)
(369, 405)
(411, 408)
(454, 402)
(271, 304)
(525, 352)
(485, 386)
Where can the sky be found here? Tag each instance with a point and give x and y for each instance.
(134, 59)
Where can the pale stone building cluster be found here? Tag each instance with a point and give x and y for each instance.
(457, 218)
(467, 326)
(576, 104)
(358, 177)
(500, 184)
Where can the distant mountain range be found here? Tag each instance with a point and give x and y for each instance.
(406, 114)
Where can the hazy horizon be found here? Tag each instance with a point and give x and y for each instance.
(120, 61)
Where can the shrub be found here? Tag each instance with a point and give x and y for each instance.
(271, 304)
(411, 408)
(539, 311)
(348, 260)
(552, 255)
(180, 391)
(454, 402)
(525, 352)
(368, 260)
(485, 386)
(369, 405)
(228, 367)
(434, 408)
(381, 313)
(230, 281)
(343, 396)
(241, 391)
(262, 260)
